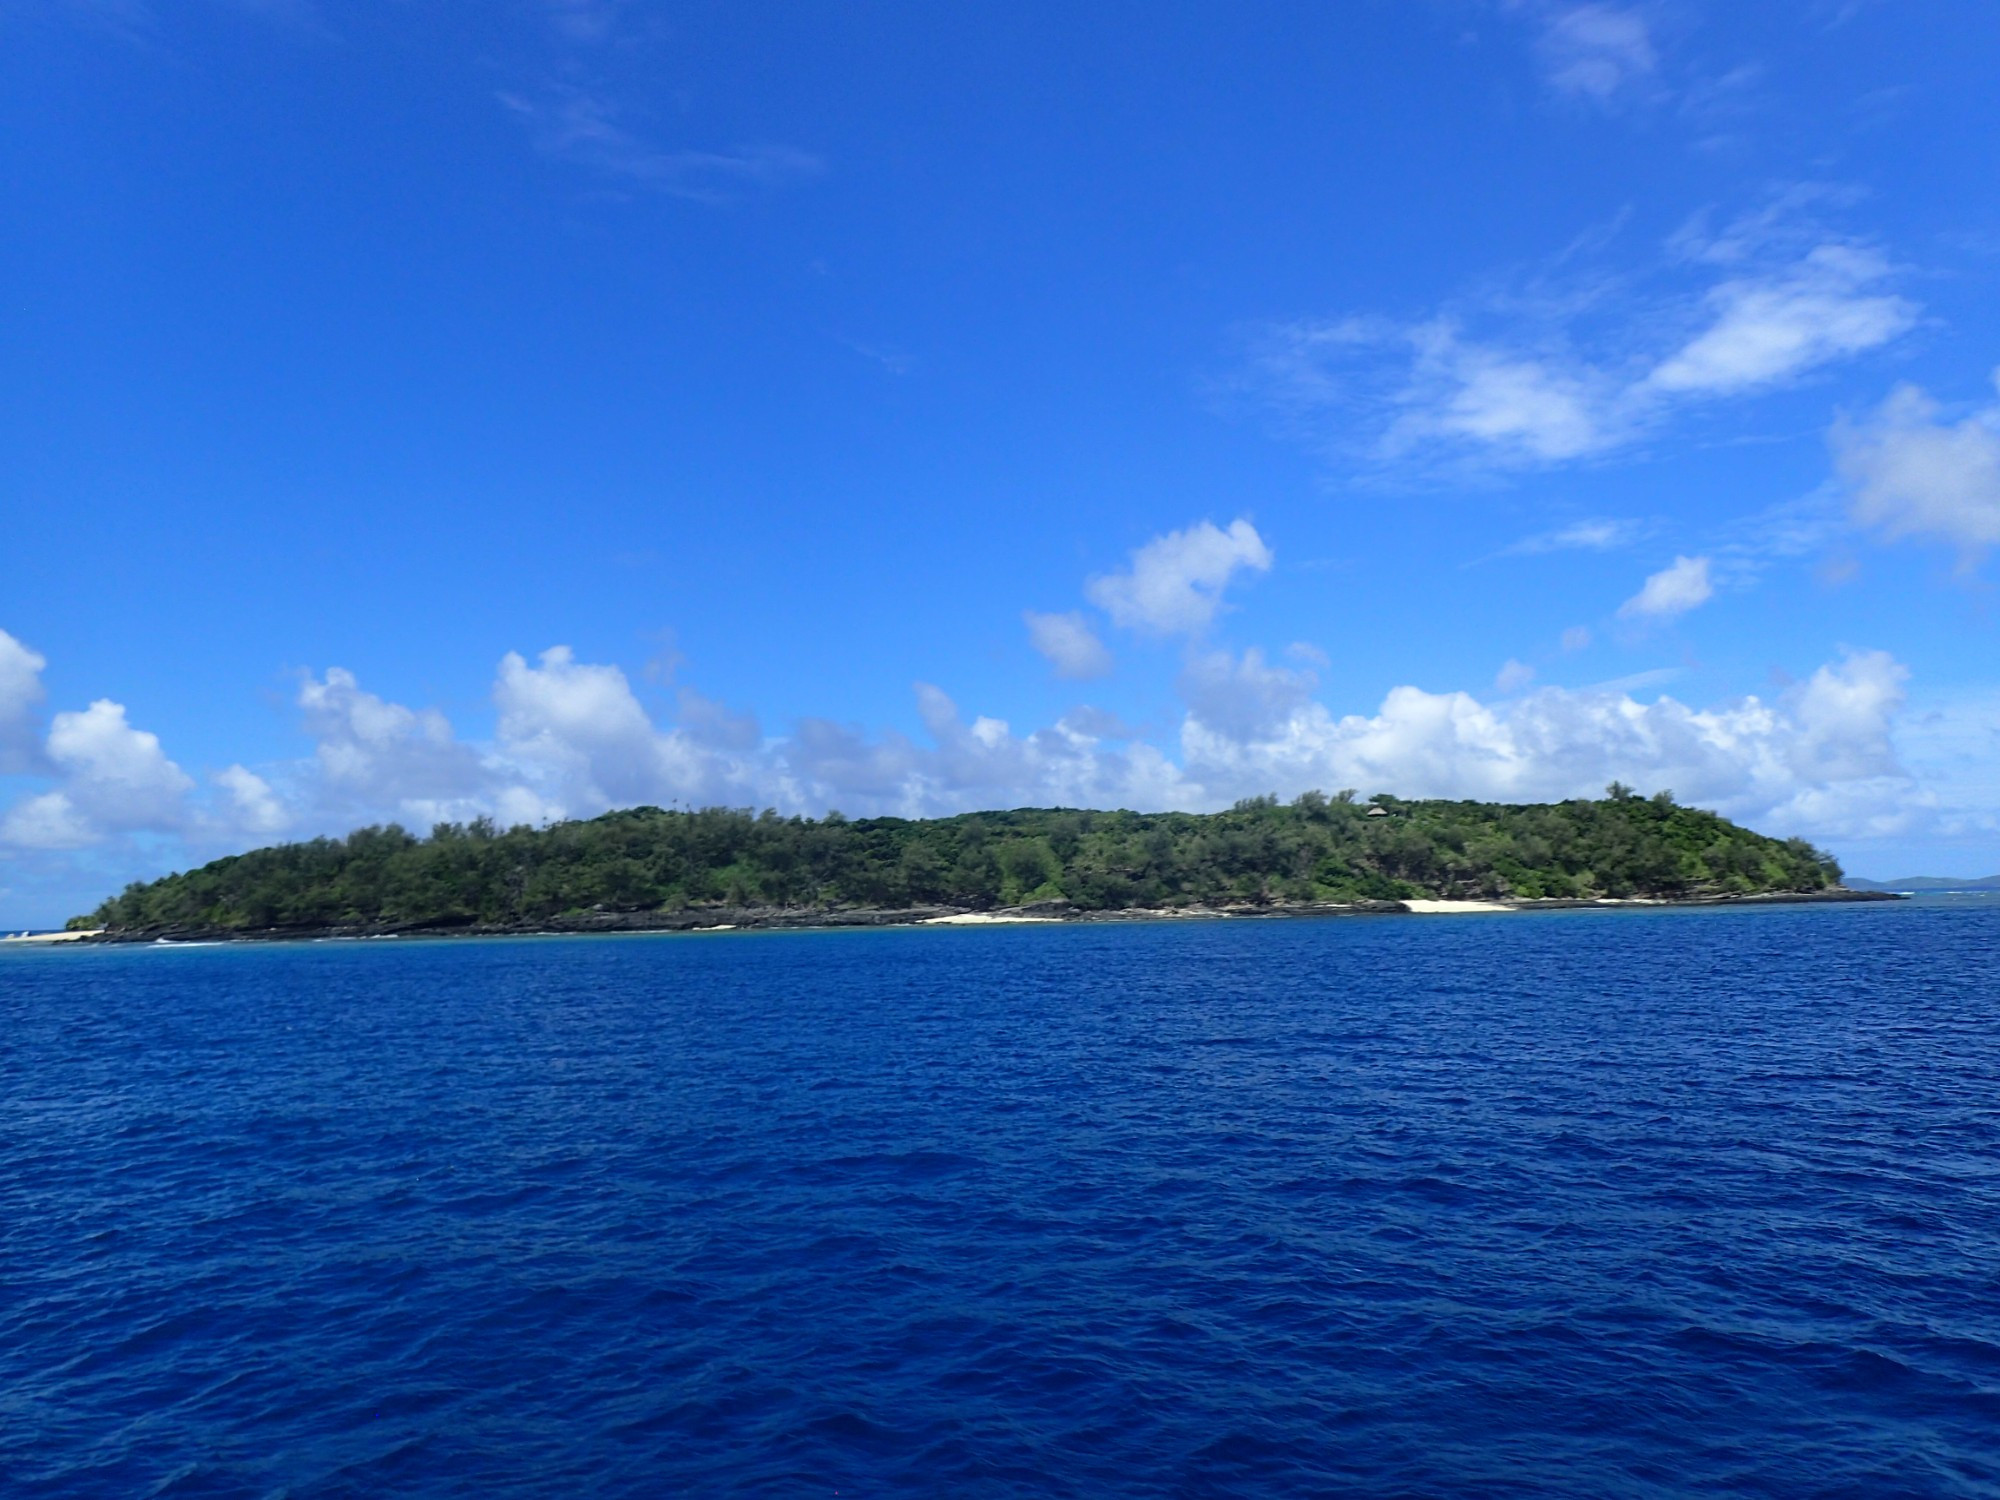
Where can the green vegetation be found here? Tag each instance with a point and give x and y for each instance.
(1316, 849)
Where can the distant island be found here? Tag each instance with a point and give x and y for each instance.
(1946, 885)
(649, 868)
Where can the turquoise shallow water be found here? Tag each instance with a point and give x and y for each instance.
(1662, 1203)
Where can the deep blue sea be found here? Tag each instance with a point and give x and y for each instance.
(1660, 1203)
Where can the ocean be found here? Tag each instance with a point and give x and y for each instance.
(1636, 1203)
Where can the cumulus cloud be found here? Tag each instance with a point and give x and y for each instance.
(1175, 582)
(1069, 644)
(252, 806)
(21, 696)
(1913, 474)
(46, 821)
(1819, 759)
(968, 765)
(1246, 696)
(1513, 676)
(1673, 591)
(572, 738)
(1821, 752)
(372, 753)
(113, 778)
(117, 775)
(578, 730)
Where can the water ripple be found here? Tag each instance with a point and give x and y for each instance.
(1646, 1204)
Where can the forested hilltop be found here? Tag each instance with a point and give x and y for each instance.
(1317, 849)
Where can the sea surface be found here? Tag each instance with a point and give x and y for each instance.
(1656, 1203)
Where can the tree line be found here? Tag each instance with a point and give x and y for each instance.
(1261, 851)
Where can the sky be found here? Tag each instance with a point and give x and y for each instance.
(417, 411)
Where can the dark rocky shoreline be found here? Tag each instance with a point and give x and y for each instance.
(751, 919)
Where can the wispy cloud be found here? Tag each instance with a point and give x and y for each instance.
(1804, 527)
(892, 360)
(1596, 534)
(1773, 328)
(1517, 404)
(586, 20)
(573, 125)
(1604, 54)
(1569, 364)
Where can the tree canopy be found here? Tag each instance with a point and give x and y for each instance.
(1261, 851)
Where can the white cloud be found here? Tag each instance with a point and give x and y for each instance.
(1096, 724)
(576, 126)
(981, 764)
(585, 20)
(20, 701)
(1175, 583)
(46, 821)
(1596, 52)
(1674, 590)
(1841, 716)
(1915, 475)
(1513, 676)
(1954, 737)
(1568, 366)
(254, 808)
(577, 730)
(1577, 638)
(112, 779)
(1242, 696)
(707, 722)
(1821, 752)
(377, 756)
(1767, 330)
(1069, 644)
(118, 776)
(573, 739)
(1516, 405)
(1599, 534)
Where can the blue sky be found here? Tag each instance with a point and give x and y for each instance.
(415, 410)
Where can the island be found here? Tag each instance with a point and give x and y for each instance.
(649, 868)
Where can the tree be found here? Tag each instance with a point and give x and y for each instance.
(649, 859)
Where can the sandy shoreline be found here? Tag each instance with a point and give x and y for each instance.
(777, 919)
(981, 919)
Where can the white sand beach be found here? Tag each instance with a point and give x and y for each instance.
(981, 919)
(50, 937)
(1452, 908)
